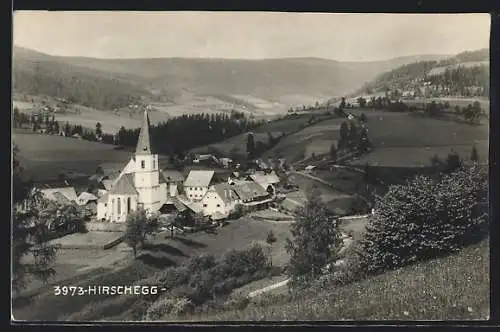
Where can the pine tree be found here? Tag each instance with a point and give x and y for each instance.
(250, 145)
(474, 156)
(333, 152)
(316, 241)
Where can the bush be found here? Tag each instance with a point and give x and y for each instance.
(167, 306)
(202, 262)
(424, 219)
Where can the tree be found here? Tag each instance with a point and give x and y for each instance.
(362, 102)
(333, 152)
(363, 142)
(250, 145)
(316, 241)
(353, 134)
(270, 139)
(453, 162)
(32, 254)
(135, 229)
(342, 103)
(474, 156)
(424, 219)
(363, 118)
(270, 239)
(344, 133)
(98, 129)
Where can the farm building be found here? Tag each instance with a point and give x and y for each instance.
(309, 168)
(267, 181)
(63, 194)
(252, 195)
(174, 179)
(219, 201)
(197, 184)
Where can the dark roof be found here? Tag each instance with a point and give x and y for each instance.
(124, 185)
(144, 141)
(171, 175)
(178, 204)
(249, 191)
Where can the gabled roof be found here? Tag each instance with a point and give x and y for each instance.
(68, 192)
(265, 179)
(60, 198)
(178, 204)
(224, 191)
(144, 141)
(199, 178)
(249, 191)
(124, 185)
(171, 175)
(85, 197)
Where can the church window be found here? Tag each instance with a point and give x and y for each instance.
(129, 203)
(218, 205)
(119, 207)
(143, 164)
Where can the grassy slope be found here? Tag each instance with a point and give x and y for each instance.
(164, 252)
(456, 287)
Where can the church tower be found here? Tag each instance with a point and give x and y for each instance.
(146, 170)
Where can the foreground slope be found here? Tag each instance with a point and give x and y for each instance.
(456, 287)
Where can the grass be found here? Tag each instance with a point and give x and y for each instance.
(276, 128)
(456, 287)
(161, 253)
(44, 157)
(344, 180)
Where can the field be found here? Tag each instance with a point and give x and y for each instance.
(161, 253)
(276, 128)
(456, 287)
(316, 138)
(44, 157)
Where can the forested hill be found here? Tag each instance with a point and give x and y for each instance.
(466, 74)
(107, 83)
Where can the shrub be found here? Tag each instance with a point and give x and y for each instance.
(167, 305)
(174, 276)
(201, 262)
(424, 219)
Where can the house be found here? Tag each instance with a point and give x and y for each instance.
(140, 185)
(309, 169)
(174, 179)
(206, 160)
(219, 201)
(63, 195)
(197, 184)
(252, 195)
(225, 162)
(86, 198)
(267, 181)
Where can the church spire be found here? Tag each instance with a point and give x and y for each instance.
(144, 142)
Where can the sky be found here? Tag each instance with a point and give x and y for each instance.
(250, 35)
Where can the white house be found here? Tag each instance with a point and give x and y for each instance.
(219, 201)
(197, 184)
(139, 185)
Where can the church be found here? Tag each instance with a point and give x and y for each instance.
(140, 185)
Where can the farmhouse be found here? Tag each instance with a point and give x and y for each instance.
(140, 184)
(252, 195)
(267, 181)
(197, 184)
(174, 179)
(219, 201)
(62, 195)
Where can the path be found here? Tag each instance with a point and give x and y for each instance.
(268, 288)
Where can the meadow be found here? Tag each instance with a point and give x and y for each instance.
(456, 287)
(276, 128)
(159, 254)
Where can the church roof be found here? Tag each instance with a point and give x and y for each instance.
(199, 178)
(144, 141)
(124, 185)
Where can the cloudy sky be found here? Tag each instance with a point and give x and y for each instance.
(344, 37)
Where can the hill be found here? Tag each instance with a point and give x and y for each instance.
(251, 85)
(465, 74)
(456, 287)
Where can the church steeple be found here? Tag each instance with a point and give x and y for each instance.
(144, 141)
